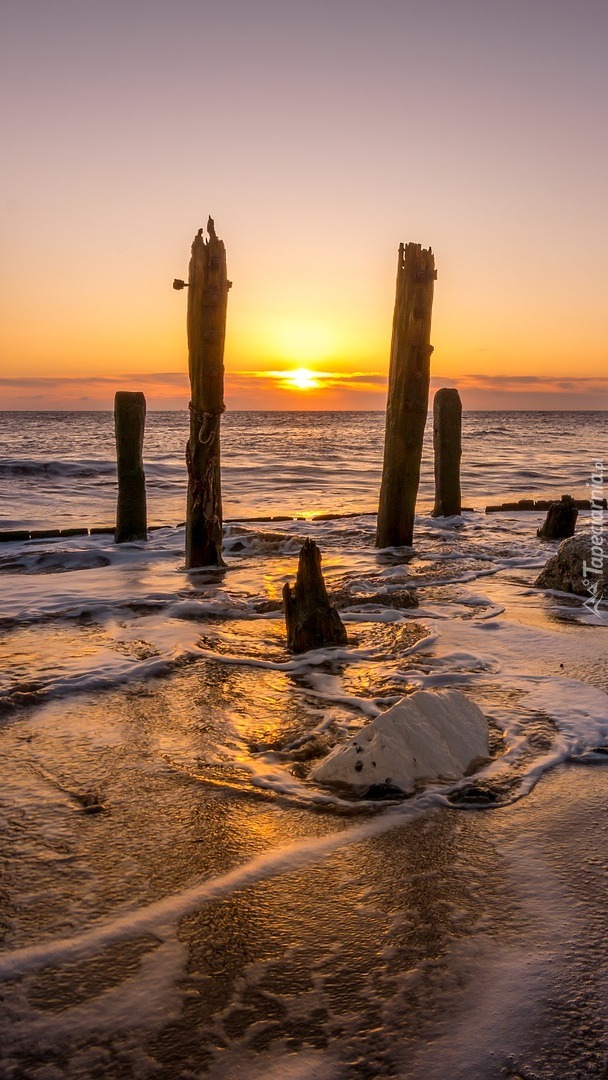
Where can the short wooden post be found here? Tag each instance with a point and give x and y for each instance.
(447, 446)
(207, 301)
(129, 424)
(408, 395)
(311, 621)
(560, 522)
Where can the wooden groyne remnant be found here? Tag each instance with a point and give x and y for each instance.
(542, 504)
(560, 521)
(129, 425)
(208, 287)
(408, 395)
(447, 446)
(311, 621)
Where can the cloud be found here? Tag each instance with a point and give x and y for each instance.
(54, 382)
(324, 380)
(549, 383)
(337, 390)
(163, 390)
(482, 391)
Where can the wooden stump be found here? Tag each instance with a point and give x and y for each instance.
(408, 395)
(208, 287)
(447, 445)
(310, 619)
(560, 522)
(129, 424)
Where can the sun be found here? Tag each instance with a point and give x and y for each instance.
(301, 379)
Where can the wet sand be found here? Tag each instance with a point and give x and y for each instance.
(176, 900)
(420, 941)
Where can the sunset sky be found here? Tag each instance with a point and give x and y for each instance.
(319, 135)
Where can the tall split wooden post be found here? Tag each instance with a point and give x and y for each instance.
(408, 395)
(208, 287)
(129, 424)
(447, 447)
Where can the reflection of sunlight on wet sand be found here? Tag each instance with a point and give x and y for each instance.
(248, 574)
(262, 724)
(379, 927)
(283, 570)
(30, 652)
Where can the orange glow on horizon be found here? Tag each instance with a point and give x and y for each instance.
(299, 379)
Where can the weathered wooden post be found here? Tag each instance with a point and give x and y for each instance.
(560, 521)
(129, 424)
(447, 446)
(311, 621)
(408, 395)
(208, 287)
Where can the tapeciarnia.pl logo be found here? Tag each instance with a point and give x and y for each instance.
(593, 571)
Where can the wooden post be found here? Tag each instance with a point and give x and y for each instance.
(560, 522)
(310, 619)
(408, 395)
(129, 424)
(447, 446)
(207, 300)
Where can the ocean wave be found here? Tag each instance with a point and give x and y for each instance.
(491, 431)
(82, 469)
(240, 540)
(109, 675)
(53, 562)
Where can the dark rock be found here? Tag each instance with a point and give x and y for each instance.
(314, 747)
(579, 566)
(90, 802)
(399, 598)
(268, 605)
(384, 791)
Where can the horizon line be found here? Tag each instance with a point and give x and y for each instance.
(300, 411)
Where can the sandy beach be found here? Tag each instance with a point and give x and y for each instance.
(303, 384)
(210, 921)
(179, 896)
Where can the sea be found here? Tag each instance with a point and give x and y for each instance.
(178, 896)
(59, 468)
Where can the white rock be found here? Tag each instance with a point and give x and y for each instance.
(424, 736)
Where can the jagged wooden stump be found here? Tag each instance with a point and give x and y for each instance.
(560, 522)
(310, 619)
